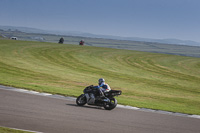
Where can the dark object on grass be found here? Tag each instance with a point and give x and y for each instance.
(61, 40)
(81, 42)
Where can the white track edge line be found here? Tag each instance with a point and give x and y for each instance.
(119, 106)
(22, 129)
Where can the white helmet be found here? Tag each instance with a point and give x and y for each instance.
(101, 80)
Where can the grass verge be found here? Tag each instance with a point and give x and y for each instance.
(9, 130)
(149, 80)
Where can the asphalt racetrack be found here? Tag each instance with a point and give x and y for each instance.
(54, 115)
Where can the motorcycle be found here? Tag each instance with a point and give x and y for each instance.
(92, 96)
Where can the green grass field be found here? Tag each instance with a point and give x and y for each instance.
(183, 50)
(8, 130)
(149, 80)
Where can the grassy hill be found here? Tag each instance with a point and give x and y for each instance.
(150, 80)
(183, 50)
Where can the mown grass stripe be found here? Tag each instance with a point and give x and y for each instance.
(149, 80)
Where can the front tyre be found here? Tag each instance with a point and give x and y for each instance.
(111, 105)
(81, 100)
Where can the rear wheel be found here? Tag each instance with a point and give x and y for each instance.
(111, 105)
(81, 100)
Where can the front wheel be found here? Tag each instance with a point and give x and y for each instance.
(81, 100)
(111, 105)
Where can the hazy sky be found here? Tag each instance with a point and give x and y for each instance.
(158, 19)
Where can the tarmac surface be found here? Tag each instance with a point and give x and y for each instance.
(56, 115)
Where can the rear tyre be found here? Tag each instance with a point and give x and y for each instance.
(111, 105)
(81, 100)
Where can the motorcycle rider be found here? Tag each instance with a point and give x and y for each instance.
(102, 87)
(81, 42)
